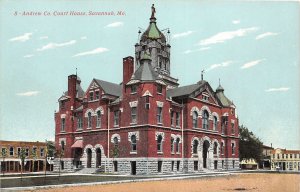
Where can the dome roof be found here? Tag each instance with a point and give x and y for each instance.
(220, 89)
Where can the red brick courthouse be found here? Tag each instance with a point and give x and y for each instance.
(147, 123)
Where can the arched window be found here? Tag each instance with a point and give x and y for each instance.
(177, 145)
(63, 124)
(232, 148)
(98, 123)
(116, 142)
(205, 120)
(215, 148)
(222, 148)
(195, 119)
(195, 146)
(215, 123)
(172, 145)
(159, 143)
(89, 120)
(133, 143)
(62, 145)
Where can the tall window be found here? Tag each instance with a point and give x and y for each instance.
(133, 115)
(11, 151)
(232, 128)
(98, 122)
(133, 143)
(159, 88)
(97, 95)
(19, 151)
(116, 118)
(172, 118)
(177, 119)
(133, 88)
(215, 148)
(222, 148)
(215, 123)
(89, 120)
(62, 143)
(205, 120)
(195, 146)
(177, 145)
(26, 152)
(195, 119)
(232, 148)
(79, 122)
(172, 145)
(42, 150)
(63, 124)
(91, 96)
(147, 103)
(159, 114)
(159, 143)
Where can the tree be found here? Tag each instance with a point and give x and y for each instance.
(22, 156)
(34, 156)
(250, 145)
(50, 148)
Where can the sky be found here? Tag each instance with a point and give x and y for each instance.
(251, 46)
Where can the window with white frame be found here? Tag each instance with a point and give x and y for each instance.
(195, 146)
(177, 119)
(215, 148)
(133, 114)
(42, 152)
(222, 148)
(147, 103)
(159, 89)
(172, 118)
(79, 122)
(91, 96)
(19, 151)
(27, 152)
(177, 145)
(232, 128)
(116, 118)
(205, 120)
(63, 124)
(195, 119)
(215, 123)
(232, 148)
(133, 89)
(89, 120)
(11, 151)
(159, 143)
(172, 145)
(98, 121)
(133, 143)
(159, 114)
(116, 142)
(97, 95)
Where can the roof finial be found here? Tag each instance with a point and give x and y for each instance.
(202, 72)
(153, 11)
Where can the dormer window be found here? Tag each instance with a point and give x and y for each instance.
(133, 89)
(159, 89)
(91, 96)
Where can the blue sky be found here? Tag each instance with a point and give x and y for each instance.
(253, 47)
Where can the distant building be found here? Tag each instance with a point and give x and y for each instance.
(146, 123)
(33, 163)
(283, 159)
(249, 164)
(266, 157)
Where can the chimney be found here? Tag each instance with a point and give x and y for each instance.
(128, 67)
(72, 87)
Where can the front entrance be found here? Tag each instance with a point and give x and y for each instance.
(215, 164)
(133, 167)
(205, 153)
(89, 158)
(283, 166)
(98, 157)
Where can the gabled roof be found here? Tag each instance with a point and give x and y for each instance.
(184, 90)
(110, 88)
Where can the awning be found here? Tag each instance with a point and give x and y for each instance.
(78, 144)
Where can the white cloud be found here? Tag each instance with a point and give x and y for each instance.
(251, 64)
(184, 34)
(28, 56)
(22, 38)
(56, 45)
(83, 38)
(263, 35)
(92, 52)
(29, 93)
(223, 64)
(277, 89)
(115, 24)
(43, 37)
(226, 35)
(236, 22)
(196, 50)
